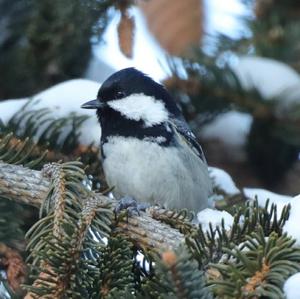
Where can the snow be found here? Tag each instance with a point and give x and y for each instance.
(270, 77)
(292, 226)
(3, 292)
(225, 17)
(63, 99)
(231, 127)
(9, 107)
(292, 287)
(214, 217)
(223, 181)
(67, 97)
(263, 195)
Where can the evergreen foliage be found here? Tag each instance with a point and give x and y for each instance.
(181, 220)
(45, 42)
(258, 268)
(60, 134)
(209, 246)
(277, 30)
(176, 276)
(10, 231)
(57, 240)
(117, 280)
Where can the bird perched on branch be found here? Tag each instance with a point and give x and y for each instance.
(149, 152)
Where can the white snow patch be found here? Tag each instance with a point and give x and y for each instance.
(270, 77)
(214, 217)
(292, 226)
(63, 99)
(141, 107)
(67, 96)
(231, 127)
(3, 292)
(223, 180)
(263, 195)
(291, 287)
(9, 107)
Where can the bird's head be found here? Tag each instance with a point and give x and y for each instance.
(136, 97)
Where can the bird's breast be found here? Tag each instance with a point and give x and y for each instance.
(150, 172)
(130, 162)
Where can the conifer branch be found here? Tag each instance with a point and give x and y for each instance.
(31, 187)
(23, 185)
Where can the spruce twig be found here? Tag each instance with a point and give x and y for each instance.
(56, 241)
(176, 276)
(258, 268)
(31, 187)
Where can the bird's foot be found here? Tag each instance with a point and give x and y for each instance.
(131, 206)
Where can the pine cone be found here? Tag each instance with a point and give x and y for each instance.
(126, 34)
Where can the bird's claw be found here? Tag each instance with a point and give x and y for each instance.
(129, 204)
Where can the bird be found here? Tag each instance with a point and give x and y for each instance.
(148, 151)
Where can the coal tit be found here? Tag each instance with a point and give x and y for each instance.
(148, 149)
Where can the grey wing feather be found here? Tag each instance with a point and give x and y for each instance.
(185, 132)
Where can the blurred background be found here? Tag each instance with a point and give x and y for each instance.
(233, 67)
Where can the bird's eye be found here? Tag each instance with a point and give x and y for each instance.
(120, 94)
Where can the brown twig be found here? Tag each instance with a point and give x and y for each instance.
(14, 266)
(257, 279)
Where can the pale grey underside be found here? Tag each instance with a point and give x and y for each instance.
(173, 177)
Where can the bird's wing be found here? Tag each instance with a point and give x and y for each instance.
(182, 128)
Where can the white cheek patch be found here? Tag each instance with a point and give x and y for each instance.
(141, 107)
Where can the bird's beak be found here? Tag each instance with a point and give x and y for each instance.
(94, 104)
